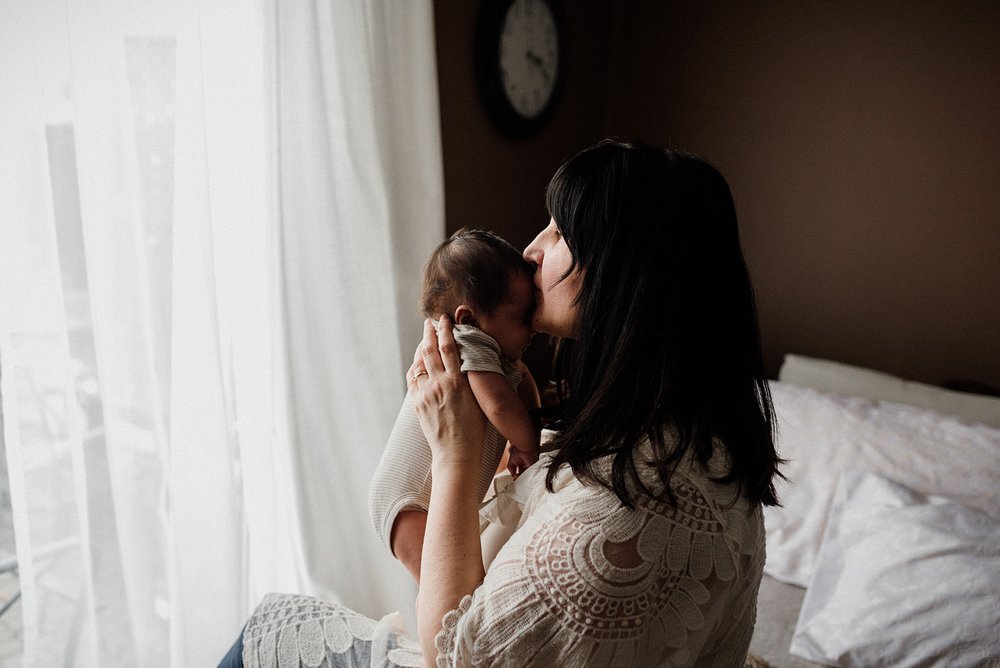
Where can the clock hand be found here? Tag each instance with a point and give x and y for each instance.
(535, 60)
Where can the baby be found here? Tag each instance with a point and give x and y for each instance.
(484, 285)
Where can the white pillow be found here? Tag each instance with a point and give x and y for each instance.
(822, 434)
(903, 579)
(860, 382)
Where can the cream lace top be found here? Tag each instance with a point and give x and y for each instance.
(584, 581)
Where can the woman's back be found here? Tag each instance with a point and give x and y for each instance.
(586, 581)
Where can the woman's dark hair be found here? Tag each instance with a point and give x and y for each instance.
(471, 267)
(668, 347)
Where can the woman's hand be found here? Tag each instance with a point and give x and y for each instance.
(454, 426)
(449, 415)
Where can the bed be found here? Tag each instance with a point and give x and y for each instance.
(886, 550)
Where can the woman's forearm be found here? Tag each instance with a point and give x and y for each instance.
(452, 556)
(452, 562)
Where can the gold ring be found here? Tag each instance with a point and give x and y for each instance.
(419, 374)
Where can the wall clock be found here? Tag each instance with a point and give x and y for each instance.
(519, 63)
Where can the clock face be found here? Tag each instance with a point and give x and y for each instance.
(529, 56)
(519, 63)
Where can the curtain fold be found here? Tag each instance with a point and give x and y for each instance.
(362, 205)
(211, 217)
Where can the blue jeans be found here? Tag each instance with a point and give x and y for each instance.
(234, 657)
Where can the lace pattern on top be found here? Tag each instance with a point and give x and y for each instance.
(587, 582)
(289, 631)
(444, 641)
(582, 582)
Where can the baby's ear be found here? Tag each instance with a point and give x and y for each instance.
(464, 315)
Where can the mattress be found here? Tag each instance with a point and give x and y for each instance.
(777, 610)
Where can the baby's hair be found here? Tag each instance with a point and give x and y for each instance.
(472, 267)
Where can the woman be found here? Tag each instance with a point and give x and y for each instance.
(643, 543)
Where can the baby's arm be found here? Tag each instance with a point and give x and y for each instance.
(528, 392)
(408, 539)
(506, 409)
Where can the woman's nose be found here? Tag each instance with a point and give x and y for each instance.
(532, 253)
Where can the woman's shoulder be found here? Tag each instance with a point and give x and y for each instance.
(688, 476)
(690, 480)
(696, 508)
(698, 517)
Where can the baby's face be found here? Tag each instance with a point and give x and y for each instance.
(510, 322)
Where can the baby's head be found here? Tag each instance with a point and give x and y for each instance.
(479, 279)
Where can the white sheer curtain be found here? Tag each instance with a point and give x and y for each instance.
(362, 197)
(212, 214)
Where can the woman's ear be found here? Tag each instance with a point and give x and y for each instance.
(464, 315)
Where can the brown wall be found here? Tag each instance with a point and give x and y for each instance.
(860, 139)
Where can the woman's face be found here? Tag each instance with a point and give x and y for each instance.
(555, 311)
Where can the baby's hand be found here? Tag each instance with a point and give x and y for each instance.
(519, 460)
